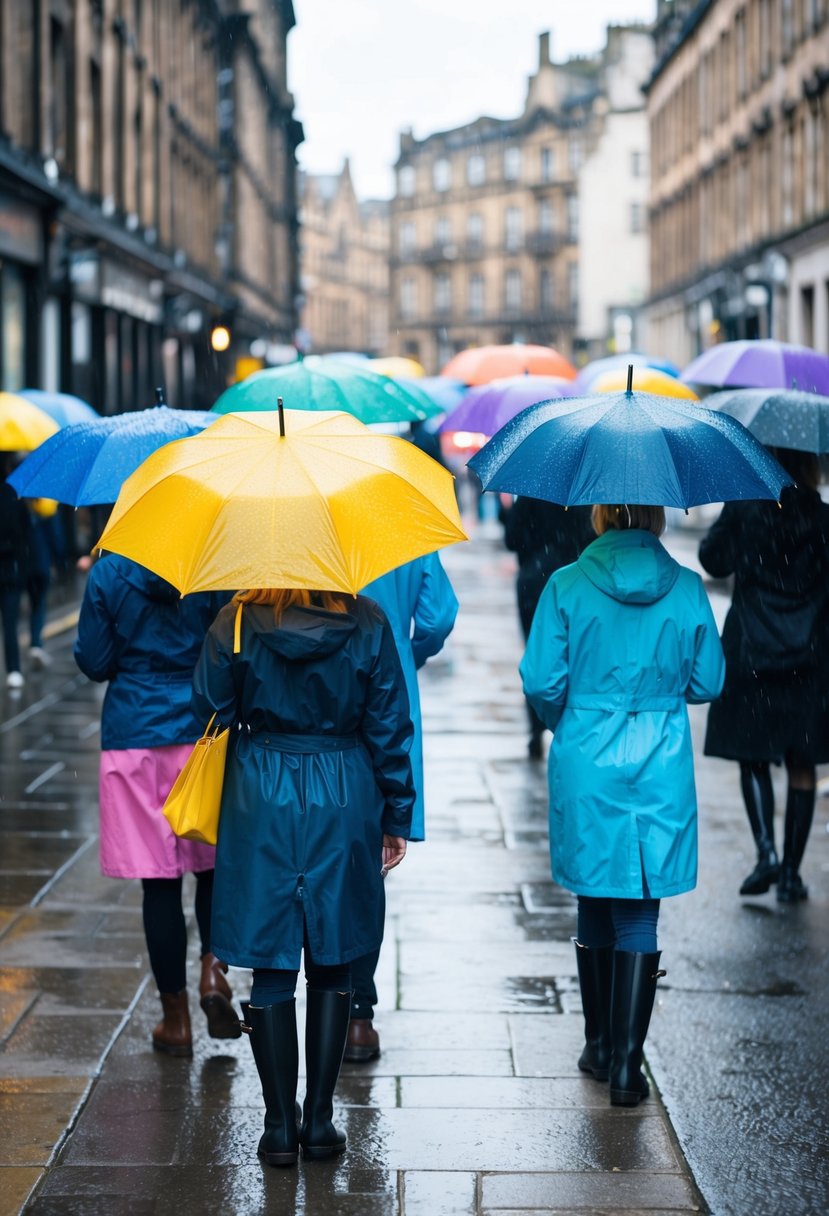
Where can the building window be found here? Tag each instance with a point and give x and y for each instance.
(573, 285)
(637, 217)
(407, 238)
(475, 306)
(787, 177)
(513, 228)
(475, 170)
(441, 175)
(406, 181)
(475, 230)
(638, 164)
(512, 164)
(572, 217)
(443, 230)
(408, 298)
(545, 215)
(512, 290)
(787, 26)
(765, 38)
(547, 164)
(575, 153)
(546, 290)
(442, 293)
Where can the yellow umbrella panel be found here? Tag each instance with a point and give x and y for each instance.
(23, 426)
(328, 505)
(645, 380)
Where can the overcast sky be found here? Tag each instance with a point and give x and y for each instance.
(362, 70)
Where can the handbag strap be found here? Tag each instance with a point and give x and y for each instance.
(237, 630)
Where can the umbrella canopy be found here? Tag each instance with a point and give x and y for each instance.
(63, 408)
(88, 462)
(480, 364)
(778, 418)
(23, 426)
(645, 380)
(597, 367)
(762, 363)
(326, 505)
(628, 447)
(488, 407)
(328, 385)
(397, 366)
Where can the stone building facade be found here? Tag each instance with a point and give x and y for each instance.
(738, 111)
(344, 260)
(147, 170)
(486, 221)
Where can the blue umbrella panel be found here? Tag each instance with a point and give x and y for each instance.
(628, 448)
(87, 463)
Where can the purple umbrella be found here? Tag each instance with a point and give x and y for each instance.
(761, 363)
(488, 407)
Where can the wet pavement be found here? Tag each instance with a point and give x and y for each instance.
(476, 1104)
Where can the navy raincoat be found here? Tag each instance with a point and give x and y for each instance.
(420, 607)
(137, 632)
(317, 771)
(621, 640)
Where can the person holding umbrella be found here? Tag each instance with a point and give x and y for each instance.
(621, 641)
(775, 647)
(316, 809)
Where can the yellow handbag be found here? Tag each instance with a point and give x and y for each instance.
(192, 806)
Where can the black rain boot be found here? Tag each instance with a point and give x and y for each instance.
(758, 795)
(634, 990)
(326, 1030)
(800, 809)
(595, 967)
(274, 1043)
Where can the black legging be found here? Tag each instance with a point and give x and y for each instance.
(166, 929)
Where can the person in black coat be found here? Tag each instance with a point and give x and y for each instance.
(544, 536)
(771, 707)
(15, 539)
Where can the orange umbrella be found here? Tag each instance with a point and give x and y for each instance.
(480, 364)
(645, 380)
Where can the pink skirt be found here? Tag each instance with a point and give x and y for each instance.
(136, 839)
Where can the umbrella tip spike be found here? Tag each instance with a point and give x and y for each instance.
(159, 395)
(629, 388)
(281, 409)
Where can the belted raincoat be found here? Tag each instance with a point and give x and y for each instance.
(621, 640)
(317, 770)
(420, 607)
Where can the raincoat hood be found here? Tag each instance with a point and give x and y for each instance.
(149, 584)
(303, 634)
(630, 566)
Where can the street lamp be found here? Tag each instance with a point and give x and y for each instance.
(220, 338)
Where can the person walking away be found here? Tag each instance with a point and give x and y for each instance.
(15, 540)
(136, 632)
(544, 536)
(316, 808)
(39, 574)
(421, 608)
(622, 639)
(775, 649)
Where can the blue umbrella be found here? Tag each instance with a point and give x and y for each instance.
(63, 408)
(86, 464)
(778, 417)
(627, 447)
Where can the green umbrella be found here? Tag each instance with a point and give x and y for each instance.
(328, 385)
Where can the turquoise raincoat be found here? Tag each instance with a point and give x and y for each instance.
(621, 640)
(420, 607)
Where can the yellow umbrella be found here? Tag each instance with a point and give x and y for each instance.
(23, 426)
(325, 504)
(398, 367)
(645, 380)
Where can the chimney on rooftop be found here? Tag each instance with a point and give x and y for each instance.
(544, 48)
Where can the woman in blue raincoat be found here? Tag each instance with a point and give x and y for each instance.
(622, 639)
(420, 607)
(316, 807)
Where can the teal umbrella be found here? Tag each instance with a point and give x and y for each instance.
(328, 385)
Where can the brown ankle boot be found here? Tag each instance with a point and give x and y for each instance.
(172, 1035)
(216, 993)
(363, 1042)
